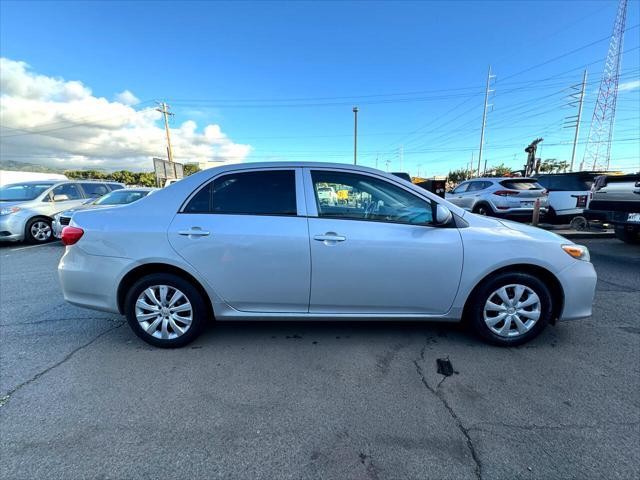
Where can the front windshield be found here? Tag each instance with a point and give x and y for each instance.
(121, 197)
(22, 191)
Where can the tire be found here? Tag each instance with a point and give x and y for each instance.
(626, 235)
(488, 289)
(483, 209)
(166, 324)
(38, 230)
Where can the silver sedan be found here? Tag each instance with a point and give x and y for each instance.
(255, 241)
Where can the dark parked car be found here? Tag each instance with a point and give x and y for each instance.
(616, 200)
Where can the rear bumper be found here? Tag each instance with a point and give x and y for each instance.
(91, 281)
(579, 285)
(518, 213)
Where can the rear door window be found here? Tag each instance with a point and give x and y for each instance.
(269, 192)
(476, 186)
(94, 190)
(115, 186)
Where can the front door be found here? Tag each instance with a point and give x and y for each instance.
(246, 233)
(377, 250)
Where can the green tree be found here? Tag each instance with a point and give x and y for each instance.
(457, 176)
(498, 171)
(190, 169)
(553, 165)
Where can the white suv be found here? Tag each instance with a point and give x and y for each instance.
(512, 198)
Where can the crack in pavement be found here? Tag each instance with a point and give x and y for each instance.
(465, 432)
(534, 427)
(5, 398)
(36, 322)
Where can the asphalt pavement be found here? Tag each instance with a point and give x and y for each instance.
(82, 397)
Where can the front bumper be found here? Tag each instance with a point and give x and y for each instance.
(579, 285)
(11, 228)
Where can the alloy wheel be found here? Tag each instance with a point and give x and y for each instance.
(41, 231)
(512, 310)
(164, 312)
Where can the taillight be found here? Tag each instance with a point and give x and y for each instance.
(506, 193)
(71, 235)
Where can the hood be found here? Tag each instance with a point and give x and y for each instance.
(11, 203)
(533, 231)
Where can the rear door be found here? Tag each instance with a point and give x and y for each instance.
(246, 233)
(378, 252)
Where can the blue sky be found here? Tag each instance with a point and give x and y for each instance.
(282, 77)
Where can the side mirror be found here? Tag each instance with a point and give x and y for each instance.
(443, 215)
(60, 198)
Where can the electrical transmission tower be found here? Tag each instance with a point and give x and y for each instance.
(598, 149)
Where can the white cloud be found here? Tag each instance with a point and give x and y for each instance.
(127, 98)
(77, 129)
(632, 85)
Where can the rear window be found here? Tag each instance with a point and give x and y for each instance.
(521, 184)
(249, 193)
(566, 183)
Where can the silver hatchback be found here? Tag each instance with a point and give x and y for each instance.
(506, 197)
(257, 241)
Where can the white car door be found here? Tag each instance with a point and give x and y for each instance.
(378, 252)
(246, 233)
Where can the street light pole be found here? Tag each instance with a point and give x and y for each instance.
(355, 135)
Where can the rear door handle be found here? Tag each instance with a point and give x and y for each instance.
(194, 232)
(330, 237)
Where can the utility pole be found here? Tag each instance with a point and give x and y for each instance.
(401, 155)
(419, 165)
(484, 116)
(470, 170)
(377, 154)
(355, 135)
(387, 162)
(579, 98)
(164, 109)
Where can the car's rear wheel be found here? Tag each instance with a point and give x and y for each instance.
(38, 230)
(165, 310)
(482, 209)
(509, 308)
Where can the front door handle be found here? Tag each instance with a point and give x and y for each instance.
(330, 237)
(194, 232)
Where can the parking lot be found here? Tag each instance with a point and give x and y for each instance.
(82, 397)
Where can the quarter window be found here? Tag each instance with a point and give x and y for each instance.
(269, 192)
(361, 197)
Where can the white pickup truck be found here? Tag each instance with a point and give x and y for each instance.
(616, 200)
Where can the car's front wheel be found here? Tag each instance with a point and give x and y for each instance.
(165, 310)
(38, 230)
(510, 308)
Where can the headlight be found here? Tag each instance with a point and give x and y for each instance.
(579, 252)
(8, 210)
